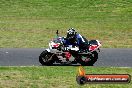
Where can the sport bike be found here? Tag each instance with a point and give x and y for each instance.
(58, 52)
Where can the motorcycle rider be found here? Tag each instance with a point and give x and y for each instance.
(75, 39)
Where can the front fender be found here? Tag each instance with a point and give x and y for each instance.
(48, 50)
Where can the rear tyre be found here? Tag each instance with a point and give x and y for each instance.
(46, 58)
(92, 59)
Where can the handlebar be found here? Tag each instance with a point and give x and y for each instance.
(57, 33)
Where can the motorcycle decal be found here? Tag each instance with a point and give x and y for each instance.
(52, 44)
(93, 47)
(67, 55)
(56, 45)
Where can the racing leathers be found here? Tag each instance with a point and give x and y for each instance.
(79, 41)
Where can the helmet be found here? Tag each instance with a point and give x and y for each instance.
(71, 33)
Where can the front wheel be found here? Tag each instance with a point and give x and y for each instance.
(46, 58)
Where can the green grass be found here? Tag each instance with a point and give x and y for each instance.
(32, 23)
(55, 77)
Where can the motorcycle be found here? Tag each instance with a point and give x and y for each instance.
(58, 52)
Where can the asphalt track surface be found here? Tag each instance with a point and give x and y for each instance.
(29, 57)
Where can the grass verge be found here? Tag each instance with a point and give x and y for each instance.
(32, 23)
(55, 77)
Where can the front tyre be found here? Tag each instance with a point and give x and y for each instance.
(46, 58)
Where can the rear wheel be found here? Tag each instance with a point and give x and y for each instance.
(46, 58)
(93, 58)
(88, 61)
